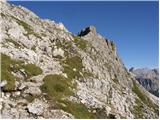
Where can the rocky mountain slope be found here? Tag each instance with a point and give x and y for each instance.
(148, 78)
(47, 72)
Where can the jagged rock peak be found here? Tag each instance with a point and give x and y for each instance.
(87, 30)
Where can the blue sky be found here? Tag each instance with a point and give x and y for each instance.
(133, 26)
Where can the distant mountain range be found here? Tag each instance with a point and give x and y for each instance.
(148, 78)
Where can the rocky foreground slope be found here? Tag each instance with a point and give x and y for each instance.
(148, 78)
(47, 72)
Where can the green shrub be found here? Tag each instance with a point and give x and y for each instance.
(32, 70)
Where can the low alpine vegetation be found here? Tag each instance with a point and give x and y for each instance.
(9, 65)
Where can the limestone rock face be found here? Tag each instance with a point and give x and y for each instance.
(37, 107)
(47, 72)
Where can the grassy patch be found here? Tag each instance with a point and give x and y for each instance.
(6, 70)
(9, 65)
(6, 75)
(32, 70)
(73, 66)
(78, 110)
(56, 86)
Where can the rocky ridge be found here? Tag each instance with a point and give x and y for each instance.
(47, 72)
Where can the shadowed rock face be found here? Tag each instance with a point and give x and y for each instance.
(148, 78)
(47, 72)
